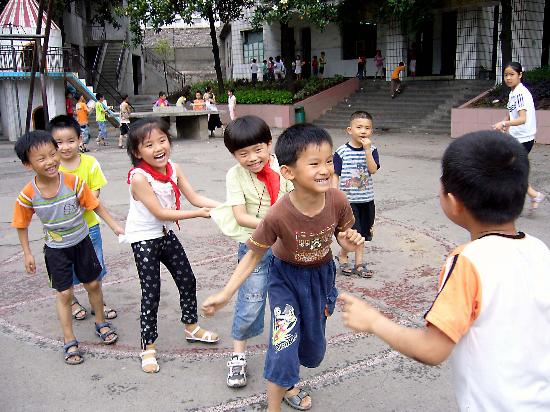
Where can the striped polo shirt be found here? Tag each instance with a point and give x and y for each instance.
(61, 215)
(356, 182)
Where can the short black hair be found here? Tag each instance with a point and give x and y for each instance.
(64, 122)
(98, 96)
(360, 114)
(401, 64)
(294, 140)
(139, 131)
(31, 140)
(162, 94)
(488, 172)
(246, 131)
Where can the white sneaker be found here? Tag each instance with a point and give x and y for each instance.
(236, 376)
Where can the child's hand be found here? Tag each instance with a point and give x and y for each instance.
(203, 212)
(350, 239)
(118, 230)
(358, 314)
(214, 303)
(366, 142)
(500, 126)
(30, 265)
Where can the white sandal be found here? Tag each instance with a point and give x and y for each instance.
(206, 337)
(149, 361)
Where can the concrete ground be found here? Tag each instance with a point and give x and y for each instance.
(412, 238)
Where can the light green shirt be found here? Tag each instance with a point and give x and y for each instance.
(99, 112)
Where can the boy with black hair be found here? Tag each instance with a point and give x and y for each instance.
(100, 113)
(59, 200)
(395, 82)
(253, 185)
(492, 308)
(65, 131)
(301, 284)
(354, 164)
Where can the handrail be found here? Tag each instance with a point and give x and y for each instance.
(171, 72)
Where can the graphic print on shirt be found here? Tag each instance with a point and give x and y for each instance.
(309, 245)
(70, 209)
(283, 324)
(359, 178)
(518, 102)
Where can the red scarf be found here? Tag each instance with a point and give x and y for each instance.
(272, 181)
(164, 178)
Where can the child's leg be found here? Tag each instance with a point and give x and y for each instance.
(63, 307)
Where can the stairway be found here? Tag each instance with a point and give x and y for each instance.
(108, 69)
(423, 107)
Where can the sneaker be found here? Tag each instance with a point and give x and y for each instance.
(535, 201)
(236, 376)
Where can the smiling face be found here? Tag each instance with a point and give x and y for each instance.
(155, 150)
(359, 129)
(511, 77)
(44, 160)
(314, 168)
(253, 158)
(67, 141)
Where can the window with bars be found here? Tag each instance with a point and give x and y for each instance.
(253, 46)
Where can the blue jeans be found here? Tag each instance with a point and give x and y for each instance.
(102, 130)
(85, 133)
(248, 320)
(95, 235)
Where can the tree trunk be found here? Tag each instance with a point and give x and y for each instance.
(165, 76)
(215, 51)
(506, 33)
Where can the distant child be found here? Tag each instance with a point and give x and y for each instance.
(354, 164)
(82, 113)
(299, 230)
(69, 104)
(271, 68)
(199, 103)
(162, 101)
(231, 104)
(361, 67)
(297, 66)
(214, 120)
(395, 84)
(156, 185)
(315, 66)
(379, 63)
(492, 308)
(59, 200)
(322, 64)
(278, 69)
(253, 186)
(100, 111)
(65, 132)
(254, 70)
(264, 71)
(125, 110)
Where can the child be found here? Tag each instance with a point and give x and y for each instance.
(65, 132)
(59, 200)
(82, 112)
(231, 104)
(100, 110)
(395, 84)
(354, 164)
(315, 66)
(322, 64)
(162, 101)
(271, 68)
(254, 70)
(155, 186)
(125, 111)
(520, 122)
(492, 307)
(297, 65)
(214, 120)
(301, 289)
(253, 185)
(360, 67)
(69, 107)
(199, 103)
(264, 71)
(379, 63)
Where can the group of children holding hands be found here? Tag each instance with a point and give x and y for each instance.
(491, 310)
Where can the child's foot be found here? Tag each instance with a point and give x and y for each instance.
(201, 335)
(149, 360)
(108, 313)
(362, 271)
(78, 311)
(106, 333)
(346, 268)
(236, 376)
(298, 399)
(536, 201)
(72, 354)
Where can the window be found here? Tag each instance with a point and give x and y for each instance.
(253, 46)
(359, 40)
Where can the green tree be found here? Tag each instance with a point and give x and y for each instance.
(162, 48)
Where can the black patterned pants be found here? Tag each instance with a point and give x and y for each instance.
(148, 255)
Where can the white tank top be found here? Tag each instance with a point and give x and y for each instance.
(141, 224)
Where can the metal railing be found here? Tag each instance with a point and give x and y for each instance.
(19, 59)
(172, 73)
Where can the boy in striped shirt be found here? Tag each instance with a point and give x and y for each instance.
(354, 164)
(59, 200)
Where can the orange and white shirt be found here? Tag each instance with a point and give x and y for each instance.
(494, 303)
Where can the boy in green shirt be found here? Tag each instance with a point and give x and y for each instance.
(100, 111)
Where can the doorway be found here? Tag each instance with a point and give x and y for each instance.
(38, 122)
(448, 43)
(136, 73)
(306, 52)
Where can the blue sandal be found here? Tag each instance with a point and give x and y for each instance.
(104, 336)
(295, 401)
(70, 356)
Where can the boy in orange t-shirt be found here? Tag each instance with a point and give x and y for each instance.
(395, 85)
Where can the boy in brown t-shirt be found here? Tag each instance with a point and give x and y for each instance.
(301, 288)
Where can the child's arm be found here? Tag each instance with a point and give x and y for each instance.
(30, 265)
(427, 345)
(194, 198)
(142, 191)
(505, 124)
(245, 267)
(106, 216)
(371, 163)
(349, 240)
(244, 219)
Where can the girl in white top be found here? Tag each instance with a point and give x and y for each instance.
(231, 104)
(520, 121)
(156, 184)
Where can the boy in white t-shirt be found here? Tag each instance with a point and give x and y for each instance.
(492, 308)
(231, 104)
(254, 69)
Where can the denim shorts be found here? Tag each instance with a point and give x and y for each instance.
(248, 320)
(85, 133)
(95, 236)
(300, 298)
(102, 130)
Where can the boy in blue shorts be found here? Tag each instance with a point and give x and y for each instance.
(65, 131)
(59, 200)
(301, 283)
(491, 314)
(253, 185)
(354, 164)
